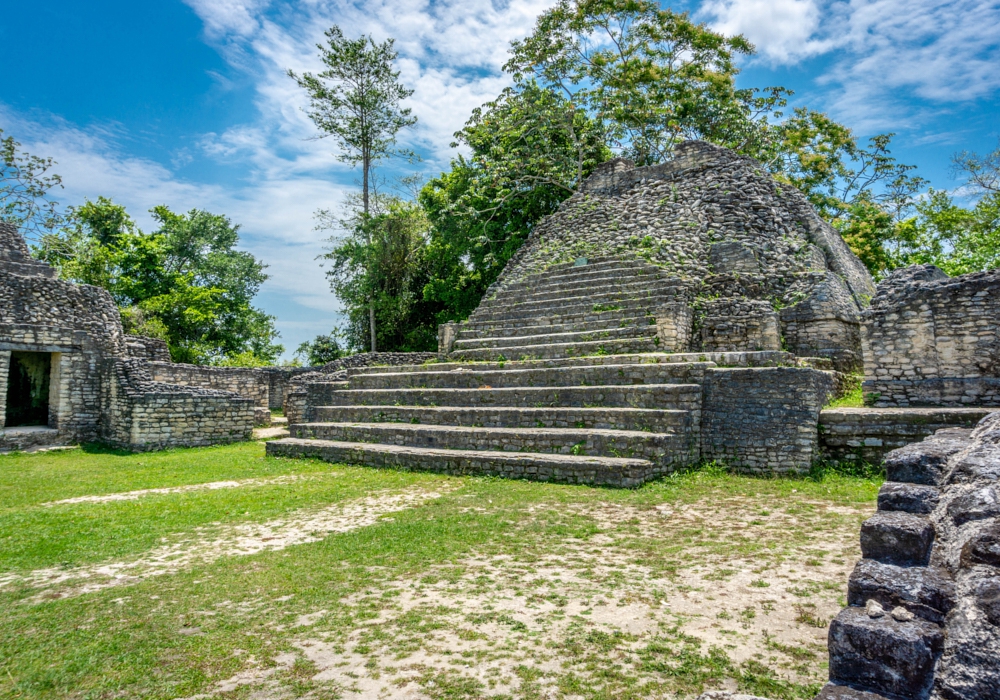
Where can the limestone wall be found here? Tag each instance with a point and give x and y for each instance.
(931, 340)
(924, 604)
(763, 419)
(868, 434)
(279, 382)
(142, 414)
(249, 382)
(97, 390)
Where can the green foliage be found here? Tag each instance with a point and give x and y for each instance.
(25, 184)
(381, 262)
(648, 77)
(356, 99)
(529, 150)
(321, 350)
(185, 283)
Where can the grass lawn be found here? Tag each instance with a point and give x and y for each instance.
(217, 572)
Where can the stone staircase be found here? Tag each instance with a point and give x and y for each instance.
(558, 378)
(603, 306)
(614, 424)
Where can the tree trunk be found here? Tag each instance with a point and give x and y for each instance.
(366, 167)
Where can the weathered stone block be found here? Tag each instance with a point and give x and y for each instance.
(927, 592)
(884, 655)
(925, 462)
(897, 538)
(909, 498)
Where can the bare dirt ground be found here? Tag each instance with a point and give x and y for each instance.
(204, 545)
(727, 586)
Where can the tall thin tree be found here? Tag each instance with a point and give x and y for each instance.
(356, 99)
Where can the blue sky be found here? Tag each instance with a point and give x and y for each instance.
(187, 103)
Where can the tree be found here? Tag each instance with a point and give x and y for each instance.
(380, 263)
(25, 185)
(648, 77)
(185, 283)
(530, 149)
(356, 99)
(322, 350)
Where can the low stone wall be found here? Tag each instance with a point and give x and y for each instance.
(141, 414)
(152, 349)
(868, 434)
(279, 382)
(932, 340)
(924, 604)
(763, 419)
(249, 382)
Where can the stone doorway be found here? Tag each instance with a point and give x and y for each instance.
(28, 388)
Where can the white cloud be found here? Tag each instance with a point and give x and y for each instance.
(784, 31)
(893, 63)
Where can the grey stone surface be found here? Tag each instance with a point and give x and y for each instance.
(926, 462)
(931, 340)
(837, 691)
(928, 592)
(897, 538)
(709, 229)
(955, 598)
(883, 655)
(909, 498)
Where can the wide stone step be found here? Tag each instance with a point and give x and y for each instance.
(585, 310)
(667, 450)
(573, 469)
(641, 419)
(503, 329)
(557, 350)
(652, 289)
(588, 375)
(760, 358)
(686, 397)
(551, 338)
(628, 280)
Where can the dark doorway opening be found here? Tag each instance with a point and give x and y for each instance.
(28, 388)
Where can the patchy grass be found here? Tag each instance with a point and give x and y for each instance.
(334, 581)
(853, 398)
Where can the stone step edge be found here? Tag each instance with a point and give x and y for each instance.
(643, 292)
(521, 371)
(550, 338)
(471, 430)
(571, 349)
(580, 326)
(528, 410)
(722, 359)
(299, 447)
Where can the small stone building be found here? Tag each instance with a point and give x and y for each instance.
(933, 340)
(69, 374)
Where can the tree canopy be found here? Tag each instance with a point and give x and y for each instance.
(185, 283)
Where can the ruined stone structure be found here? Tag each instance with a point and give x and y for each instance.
(932, 340)
(69, 374)
(690, 311)
(924, 604)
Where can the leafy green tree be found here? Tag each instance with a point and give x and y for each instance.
(380, 263)
(356, 99)
(320, 350)
(649, 77)
(529, 150)
(185, 282)
(25, 185)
